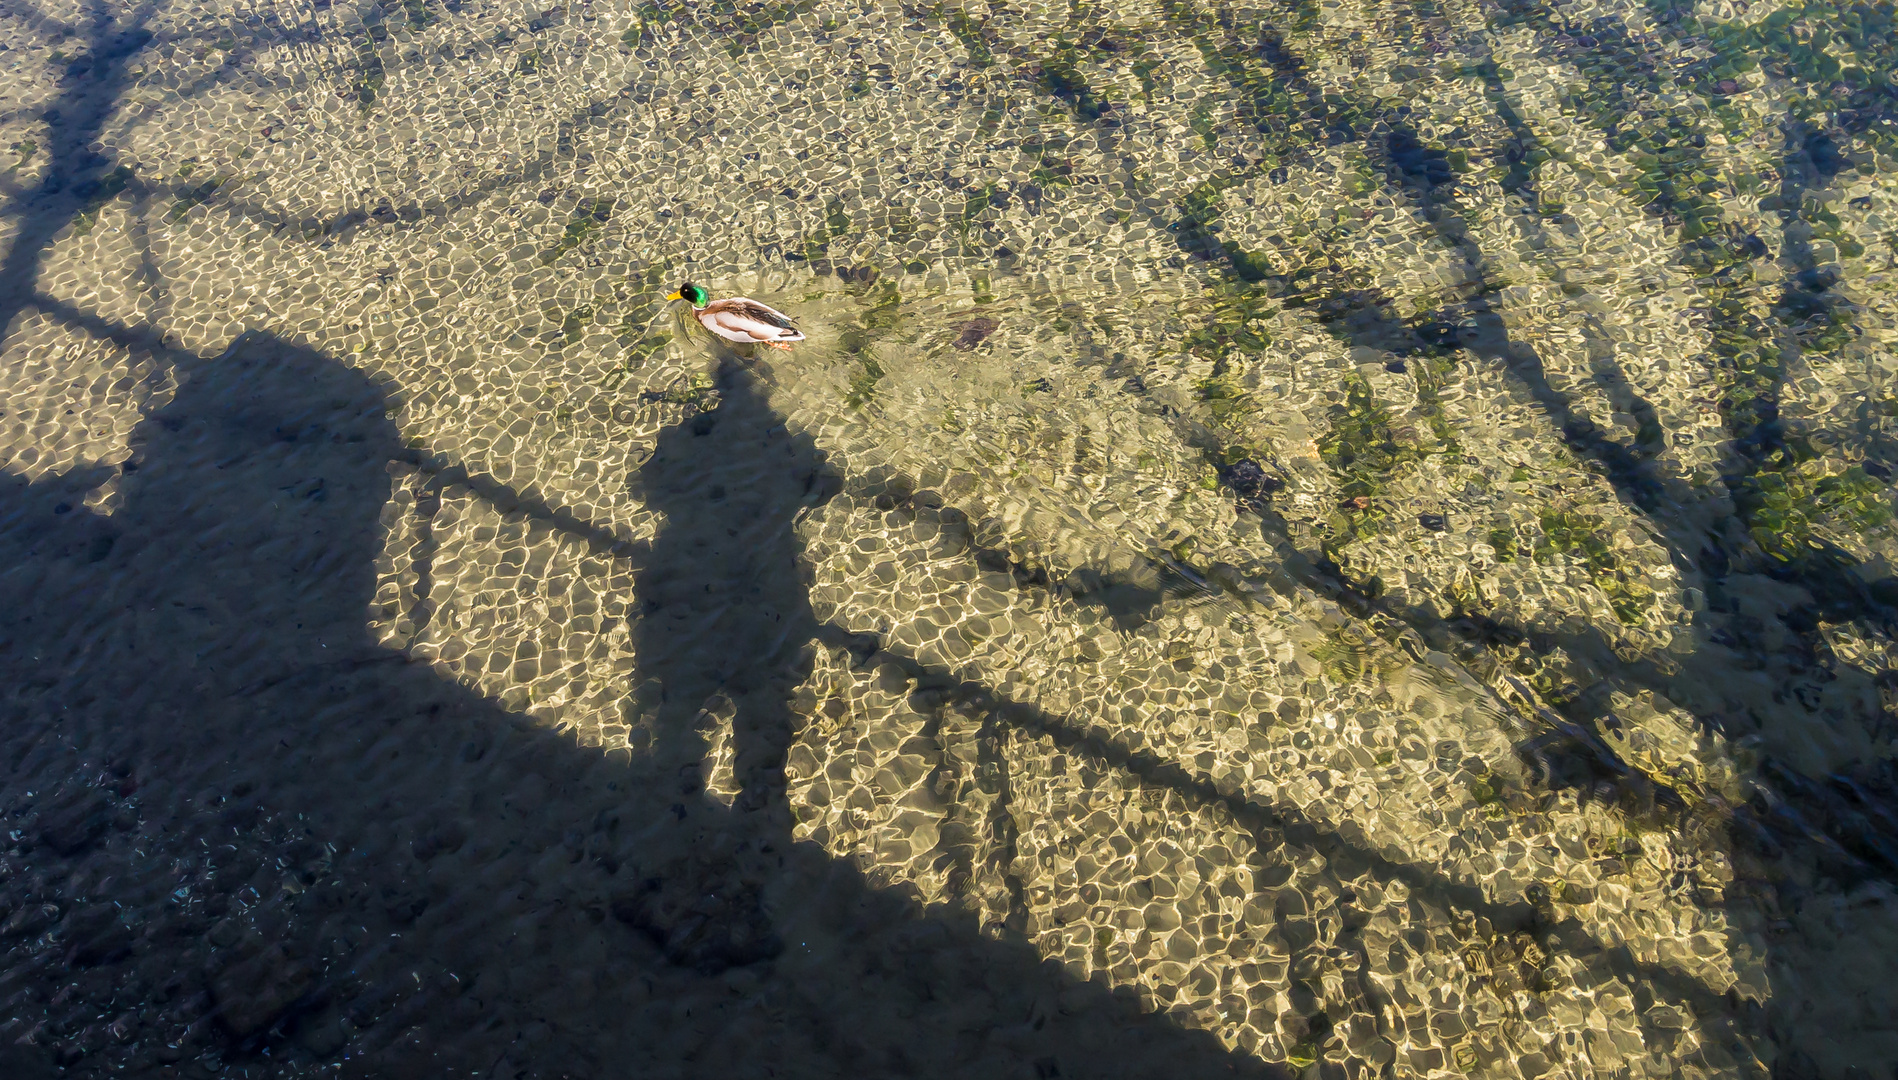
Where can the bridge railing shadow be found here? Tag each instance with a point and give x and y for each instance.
(1835, 817)
(210, 635)
(708, 558)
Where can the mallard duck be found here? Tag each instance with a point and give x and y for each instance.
(740, 320)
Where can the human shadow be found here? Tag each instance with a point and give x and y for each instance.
(252, 837)
(722, 640)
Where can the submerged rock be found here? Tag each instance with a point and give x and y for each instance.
(252, 993)
(1249, 480)
(29, 920)
(97, 935)
(25, 1061)
(710, 927)
(974, 332)
(73, 827)
(1826, 155)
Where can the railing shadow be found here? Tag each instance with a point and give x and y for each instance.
(715, 882)
(1840, 827)
(207, 641)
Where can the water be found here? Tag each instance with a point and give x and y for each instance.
(1337, 540)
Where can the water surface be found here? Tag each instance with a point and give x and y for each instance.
(1307, 539)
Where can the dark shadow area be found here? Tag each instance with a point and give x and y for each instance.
(708, 887)
(723, 617)
(249, 835)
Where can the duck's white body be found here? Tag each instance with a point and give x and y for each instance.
(744, 321)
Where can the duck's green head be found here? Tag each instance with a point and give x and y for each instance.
(691, 294)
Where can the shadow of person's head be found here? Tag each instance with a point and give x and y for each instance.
(269, 468)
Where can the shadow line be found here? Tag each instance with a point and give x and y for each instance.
(1276, 825)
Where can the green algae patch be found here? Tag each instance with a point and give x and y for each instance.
(1841, 53)
(1235, 324)
(1434, 375)
(696, 392)
(1483, 791)
(1225, 399)
(111, 185)
(973, 207)
(863, 384)
(1202, 122)
(649, 18)
(1787, 511)
(1365, 449)
(744, 25)
(858, 340)
(573, 326)
(1361, 446)
(196, 195)
(1505, 540)
(1583, 538)
(969, 32)
(1825, 225)
(587, 219)
(1830, 61)
(367, 77)
(835, 218)
(418, 14)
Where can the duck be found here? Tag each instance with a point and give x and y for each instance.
(739, 319)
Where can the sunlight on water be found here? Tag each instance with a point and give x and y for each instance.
(1311, 538)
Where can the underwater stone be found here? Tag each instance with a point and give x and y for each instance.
(253, 992)
(973, 333)
(1441, 334)
(1825, 155)
(73, 828)
(1249, 480)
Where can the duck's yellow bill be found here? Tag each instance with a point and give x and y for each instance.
(675, 296)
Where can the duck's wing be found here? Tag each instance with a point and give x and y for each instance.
(741, 318)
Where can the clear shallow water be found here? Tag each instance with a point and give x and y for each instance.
(1326, 539)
